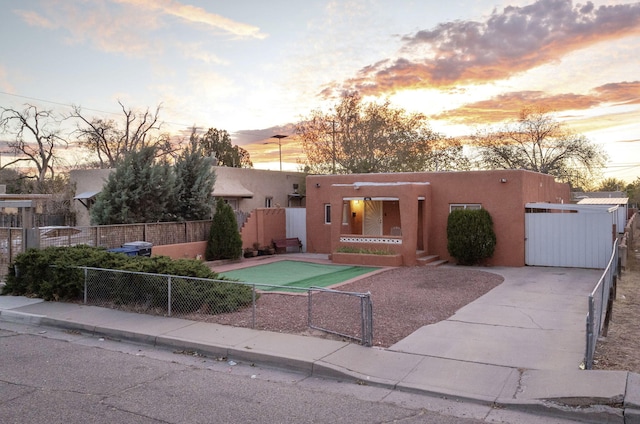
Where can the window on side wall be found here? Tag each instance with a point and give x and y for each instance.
(233, 202)
(327, 213)
(268, 202)
(456, 206)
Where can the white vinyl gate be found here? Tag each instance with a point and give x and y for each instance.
(297, 225)
(568, 235)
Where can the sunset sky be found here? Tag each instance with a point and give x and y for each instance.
(255, 68)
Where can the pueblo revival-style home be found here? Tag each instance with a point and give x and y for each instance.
(406, 214)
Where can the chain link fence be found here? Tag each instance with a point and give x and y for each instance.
(355, 313)
(241, 304)
(600, 306)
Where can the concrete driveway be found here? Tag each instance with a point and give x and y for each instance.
(535, 320)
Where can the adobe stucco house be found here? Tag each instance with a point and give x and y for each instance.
(244, 189)
(406, 213)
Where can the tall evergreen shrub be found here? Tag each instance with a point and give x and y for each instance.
(470, 236)
(140, 189)
(195, 179)
(224, 238)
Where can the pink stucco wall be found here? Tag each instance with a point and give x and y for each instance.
(181, 251)
(264, 225)
(424, 222)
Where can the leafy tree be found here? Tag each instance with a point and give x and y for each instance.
(538, 142)
(611, 184)
(13, 179)
(195, 179)
(470, 235)
(374, 137)
(633, 191)
(140, 189)
(36, 136)
(224, 237)
(110, 141)
(217, 143)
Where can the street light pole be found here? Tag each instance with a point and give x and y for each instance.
(279, 137)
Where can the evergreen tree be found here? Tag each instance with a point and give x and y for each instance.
(224, 237)
(194, 183)
(141, 189)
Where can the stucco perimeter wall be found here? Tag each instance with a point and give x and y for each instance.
(264, 225)
(193, 250)
(502, 193)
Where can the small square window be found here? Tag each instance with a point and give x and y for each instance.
(268, 202)
(457, 206)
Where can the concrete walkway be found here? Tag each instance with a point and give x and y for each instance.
(518, 347)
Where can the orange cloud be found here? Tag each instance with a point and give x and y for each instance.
(507, 43)
(127, 26)
(507, 106)
(34, 19)
(198, 15)
(623, 92)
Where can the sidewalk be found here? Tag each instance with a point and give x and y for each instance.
(518, 347)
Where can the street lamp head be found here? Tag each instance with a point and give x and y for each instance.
(279, 137)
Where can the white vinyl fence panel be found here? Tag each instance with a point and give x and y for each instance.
(564, 239)
(297, 225)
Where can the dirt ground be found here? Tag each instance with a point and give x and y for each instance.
(408, 298)
(404, 299)
(620, 350)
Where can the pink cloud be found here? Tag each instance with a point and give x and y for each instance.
(508, 42)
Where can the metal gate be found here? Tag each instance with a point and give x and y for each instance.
(568, 235)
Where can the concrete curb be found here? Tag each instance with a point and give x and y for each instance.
(632, 399)
(20, 317)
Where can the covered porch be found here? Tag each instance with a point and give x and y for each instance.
(380, 223)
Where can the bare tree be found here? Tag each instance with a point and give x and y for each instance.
(536, 141)
(366, 138)
(110, 140)
(36, 136)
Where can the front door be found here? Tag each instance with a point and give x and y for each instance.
(372, 223)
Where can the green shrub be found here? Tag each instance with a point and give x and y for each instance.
(363, 250)
(224, 240)
(52, 274)
(470, 236)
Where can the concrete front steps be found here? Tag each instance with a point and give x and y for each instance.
(423, 259)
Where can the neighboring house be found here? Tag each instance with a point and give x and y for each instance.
(576, 196)
(244, 189)
(407, 213)
(622, 203)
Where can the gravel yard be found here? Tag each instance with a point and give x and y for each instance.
(404, 299)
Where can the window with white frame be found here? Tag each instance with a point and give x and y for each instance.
(456, 206)
(327, 213)
(268, 202)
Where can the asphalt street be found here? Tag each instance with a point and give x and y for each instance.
(55, 376)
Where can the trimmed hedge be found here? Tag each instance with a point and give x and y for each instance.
(470, 236)
(52, 274)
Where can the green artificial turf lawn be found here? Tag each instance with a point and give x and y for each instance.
(296, 274)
